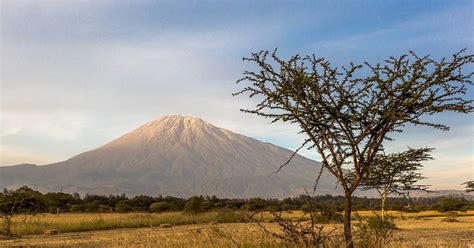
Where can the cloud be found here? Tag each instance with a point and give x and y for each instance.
(449, 172)
(11, 155)
(439, 32)
(353, 41)
(79, 83)
(59, 126)
(76, 75)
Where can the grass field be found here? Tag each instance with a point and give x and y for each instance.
(425, 229)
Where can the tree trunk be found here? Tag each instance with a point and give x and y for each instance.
(7, 223)
(384, 196)
(347, 220)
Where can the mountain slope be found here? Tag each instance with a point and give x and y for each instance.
(179, 156)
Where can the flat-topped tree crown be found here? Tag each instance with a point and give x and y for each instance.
(347, 113)
(396, 173)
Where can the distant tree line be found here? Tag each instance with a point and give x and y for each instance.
(28, 201)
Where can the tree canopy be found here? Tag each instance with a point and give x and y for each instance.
(469, 186)
(397, 172)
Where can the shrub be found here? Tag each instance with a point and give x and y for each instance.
(256, 204)
(451, 204)
(451, 216)
(231, 216)
(141, 202)
(105, 208)
(159, 207)
(77, 208)
(329, 214)
(123, 207)
(92, 206)
(53, 210)
(323, 213)
(194, 205)
(375, 232)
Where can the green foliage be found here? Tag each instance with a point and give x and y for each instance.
(159, 207)
(77, 208)
(256, 204)
(123, 207)
(105, 208)
(374, 232)
(397, 172)
(348, 113)
(323, 213)
(60, 201)
(21, 201)
(141, 202)
(452, 204)
(92, 206)
(63, 202)
(194, 205)
(328, 214)
(231, 216)
(469, 186)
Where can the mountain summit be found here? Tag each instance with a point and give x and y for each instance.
(180, 156)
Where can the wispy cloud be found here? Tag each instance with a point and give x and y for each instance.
(60, 126)
(77, 74)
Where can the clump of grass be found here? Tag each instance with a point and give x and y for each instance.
(451, 216)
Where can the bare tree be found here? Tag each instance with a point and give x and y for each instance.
(347, 114)
(396, 173)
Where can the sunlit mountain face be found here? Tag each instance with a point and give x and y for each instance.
(180, 156)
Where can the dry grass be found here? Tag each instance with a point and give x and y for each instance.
(424, 229)
(80, 222)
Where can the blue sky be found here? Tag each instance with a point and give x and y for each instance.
(76, 74)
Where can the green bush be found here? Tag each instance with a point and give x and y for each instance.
(105, 208)
(123, 207)
(231, 216)
(323, 213)
(77, 208)
(375, 232)
(92, 206)
(159, 207)
(447, 204)
(194, 205)
(53, 210)
(256, 204)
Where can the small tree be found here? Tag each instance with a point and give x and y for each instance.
(21, 201)
(396, 173)
(348, 114)
(469, 186)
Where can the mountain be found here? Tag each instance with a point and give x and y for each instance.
(178, 156)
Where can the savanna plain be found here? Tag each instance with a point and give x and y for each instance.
(217, 229)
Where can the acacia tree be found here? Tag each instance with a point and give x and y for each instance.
(396, 173)
(469, 186)
(21, 201)
(347, 114)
